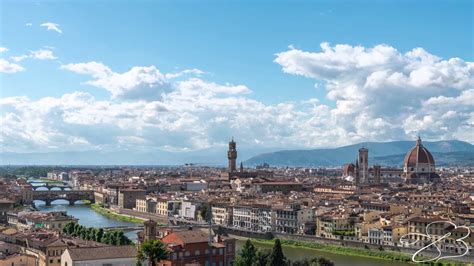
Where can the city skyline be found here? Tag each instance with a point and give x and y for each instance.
(182, 79)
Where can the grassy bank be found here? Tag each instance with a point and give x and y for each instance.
(114, 215)
(359, 252)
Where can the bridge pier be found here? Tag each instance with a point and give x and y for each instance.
(48, 202)
(71, 202)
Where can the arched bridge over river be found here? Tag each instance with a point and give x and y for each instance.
(51, 186)
(72, 196)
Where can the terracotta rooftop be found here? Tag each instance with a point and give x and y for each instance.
(96, 253)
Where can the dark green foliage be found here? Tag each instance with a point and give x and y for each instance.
(96, 234)
(262, 257)
(247, 255)
(99, 234)
(277, 258)
(152, 251)
(205, 213)
(344, 232)
(316, 261)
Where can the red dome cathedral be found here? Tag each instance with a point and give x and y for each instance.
(419, 165)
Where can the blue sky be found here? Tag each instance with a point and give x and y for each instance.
(239, 43)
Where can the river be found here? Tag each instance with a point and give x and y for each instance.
(84, 213)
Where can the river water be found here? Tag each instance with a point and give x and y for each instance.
(87, 216)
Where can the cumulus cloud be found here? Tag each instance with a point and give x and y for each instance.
(3, 49)
(19, 58)
(42, 54)
(374, 94)
(51, 26)
(138, 83)
(381, 93)
(8, 67)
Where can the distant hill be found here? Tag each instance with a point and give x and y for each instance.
(458, 158)
(450, 152)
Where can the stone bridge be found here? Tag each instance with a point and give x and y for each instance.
(72, 196)
(52, 185)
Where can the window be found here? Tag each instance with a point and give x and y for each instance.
(50, 261)
(187, 253)
(197, 252)
(59, 260)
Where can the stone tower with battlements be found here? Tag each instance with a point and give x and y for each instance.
(232, 156)
(364, 165)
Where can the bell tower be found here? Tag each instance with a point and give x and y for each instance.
(150, 230)
(232, 156)
(364, 165)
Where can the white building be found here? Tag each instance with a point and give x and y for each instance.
(245, 217)
(188, 210)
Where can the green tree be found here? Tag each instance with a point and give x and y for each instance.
(77, 229)
(152, 251)
(324, 262)
(82, 232)
(99, 234)
(262, 257)
(205, 213)
(316, 261)
(69, 228)
(247, 255)
(277, 258)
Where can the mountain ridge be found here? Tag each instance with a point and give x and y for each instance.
(345, 154)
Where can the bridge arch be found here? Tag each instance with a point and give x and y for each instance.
(72, 196)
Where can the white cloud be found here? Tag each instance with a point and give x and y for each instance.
(3, 49)
(43, 54)
(7, 67)
(139, 82)
(28, 24)
(19, 58)
(52, 26)
(381, 93)
(375, 94)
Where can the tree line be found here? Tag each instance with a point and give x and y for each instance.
(249, 255)
(110, 237)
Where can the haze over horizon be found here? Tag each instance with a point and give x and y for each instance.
(182, 79)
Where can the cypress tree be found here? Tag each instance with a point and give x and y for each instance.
(277, 258)
(247, 255)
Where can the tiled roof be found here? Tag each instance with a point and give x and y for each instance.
(187, 237)
(95, 253)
